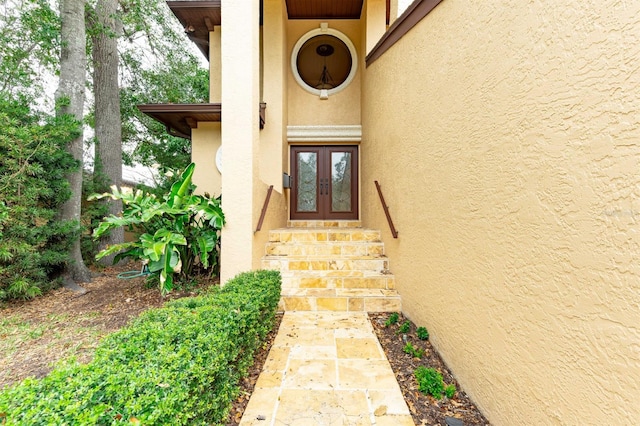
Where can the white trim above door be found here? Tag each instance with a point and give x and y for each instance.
(309, 134)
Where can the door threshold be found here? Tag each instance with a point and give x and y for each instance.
(324, 224)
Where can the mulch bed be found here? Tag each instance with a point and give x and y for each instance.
(425, 409)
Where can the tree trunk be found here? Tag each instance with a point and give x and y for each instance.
(108, 124)
(70, 100)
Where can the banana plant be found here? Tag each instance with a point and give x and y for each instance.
(177, 234)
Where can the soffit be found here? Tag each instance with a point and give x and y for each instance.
(198, 18)
(324, 9)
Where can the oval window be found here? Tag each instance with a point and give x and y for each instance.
(324, 60)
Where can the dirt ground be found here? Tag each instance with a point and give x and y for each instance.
(36, 334)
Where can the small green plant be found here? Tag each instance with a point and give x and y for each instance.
(422, 333)
(430, 381)
(413, 351)
(405, 327)
(450, 391)
(393, 319)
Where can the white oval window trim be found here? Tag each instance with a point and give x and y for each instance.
(324, 30)
(219, 159)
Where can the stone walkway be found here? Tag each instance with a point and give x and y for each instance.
(326, 369)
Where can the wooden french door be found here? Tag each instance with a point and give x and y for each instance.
(325, 182)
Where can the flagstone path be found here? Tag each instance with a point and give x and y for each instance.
(326, 369)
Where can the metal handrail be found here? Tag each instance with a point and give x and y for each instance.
(264, 208)
(394, 232)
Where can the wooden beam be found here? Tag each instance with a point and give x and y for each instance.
(208, 23)
(192, 122)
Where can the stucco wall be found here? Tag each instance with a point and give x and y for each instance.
(273, 148)
(308, 109)
(205, 141)
(506, 138)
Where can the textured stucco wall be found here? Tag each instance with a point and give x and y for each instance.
(273, 147)
(205, 141)
(308, 109)
(215, 65)
(240, 52)
(506, 138)
(375, 17)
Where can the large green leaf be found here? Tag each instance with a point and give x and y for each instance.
(116, 248)
(179, 189)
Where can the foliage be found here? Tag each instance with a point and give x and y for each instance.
(177, 365)
(393, 319)
(176, 80)
(179, 232)
(413, 351)
(422, 333)
(29, 45)
(34, 244)
(404, 327)
(450, 391)
(430, 381)
(92, 212)
(163, 72)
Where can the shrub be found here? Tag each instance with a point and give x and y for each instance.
(413, 351)
(405, 327)
(176, 365)
(422, 333)
(393, 319)
(450, 391)
(34, 243)
(430, 381)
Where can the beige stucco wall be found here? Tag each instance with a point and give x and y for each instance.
(374, 13)
(272, 148)
(215, 65)
(240, 82)
(506, 138)
(205, 141)
(308, 109)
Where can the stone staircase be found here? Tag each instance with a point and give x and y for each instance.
(331, 266)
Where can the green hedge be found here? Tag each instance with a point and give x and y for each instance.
(176, 365)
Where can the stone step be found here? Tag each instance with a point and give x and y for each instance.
(337, 248)
(324, 224)
(368, 300)
(325, 263)
(306, 235)
(338, 279)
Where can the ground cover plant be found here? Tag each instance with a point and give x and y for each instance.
(180, 364)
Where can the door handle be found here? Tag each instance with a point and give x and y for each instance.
(324, 184)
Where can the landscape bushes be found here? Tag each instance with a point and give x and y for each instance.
(34, 242)
(176, 365)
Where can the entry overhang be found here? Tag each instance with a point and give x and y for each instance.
(179, 119)
(324, 9)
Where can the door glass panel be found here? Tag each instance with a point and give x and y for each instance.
(341, 181)
(307, 181)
